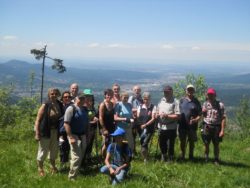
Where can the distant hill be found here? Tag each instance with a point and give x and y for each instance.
(240, 79)
(230, 87)
(18, 73)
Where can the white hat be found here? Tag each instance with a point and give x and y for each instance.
(190, 86)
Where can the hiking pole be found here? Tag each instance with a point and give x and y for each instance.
(96, 142)
(157, 121)
(151, 140)
(186, 146)
(157, 145)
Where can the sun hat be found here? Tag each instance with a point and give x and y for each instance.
(190, 86)
(118, 132)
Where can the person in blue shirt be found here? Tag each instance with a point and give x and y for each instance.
(118, 157)
(124, 118)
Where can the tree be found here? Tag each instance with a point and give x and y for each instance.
(198, 82)
(42, 54)
(7, 115)
(242, 116)
(31, 82)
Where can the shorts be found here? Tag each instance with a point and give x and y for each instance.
(211, 132)
(48, 146)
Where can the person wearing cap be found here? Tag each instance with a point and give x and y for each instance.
(75, 125)
(117, 161)
(214, 121)
(167, 113)
(190, 108)
(93, 120)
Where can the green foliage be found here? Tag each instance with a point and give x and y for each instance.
(31, 82)
(16, 118)
(198, 82)
(58, 65)
(25, 116)
(39, 54)
(7, 115)
(242, 116)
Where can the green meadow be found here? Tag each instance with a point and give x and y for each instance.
(18, 167)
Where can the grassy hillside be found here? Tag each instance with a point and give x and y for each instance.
(18, 168)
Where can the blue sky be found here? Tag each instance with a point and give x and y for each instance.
(200, 30)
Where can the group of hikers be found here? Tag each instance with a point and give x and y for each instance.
(68, 123)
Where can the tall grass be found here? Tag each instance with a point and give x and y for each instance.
(18, 167)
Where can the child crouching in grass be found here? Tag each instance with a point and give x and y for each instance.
(117, 161)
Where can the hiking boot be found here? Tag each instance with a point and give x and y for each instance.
(170, 159)
(216, 162)
(191, 157)
(206, 158)
(54, 170)
(163, 157)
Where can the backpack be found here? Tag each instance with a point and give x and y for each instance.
(61, 120)
(217, 107)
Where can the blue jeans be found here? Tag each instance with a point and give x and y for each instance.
(118, 177)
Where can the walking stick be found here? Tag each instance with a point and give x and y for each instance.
(96, 143)
(151, 140)
(157, 145)
(156, 129)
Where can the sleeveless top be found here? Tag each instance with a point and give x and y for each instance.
(50, 118)
(109, 119)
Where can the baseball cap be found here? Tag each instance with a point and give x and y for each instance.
(211, 91)
(87, 92)
(167, 88)
(190, 86)
(118, 132)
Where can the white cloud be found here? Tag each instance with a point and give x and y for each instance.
(94, 45)
(9, 37)
(42, 44)
(117, 45)
(179, 50)
(196, 48)
(168, 46)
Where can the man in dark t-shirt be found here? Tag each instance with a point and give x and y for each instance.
(190, 115)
